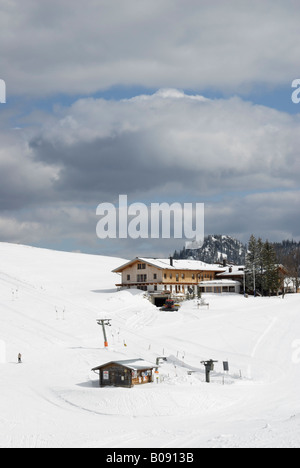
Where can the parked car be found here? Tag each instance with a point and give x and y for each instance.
(170, 306)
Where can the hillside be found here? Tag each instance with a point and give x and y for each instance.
(288, 253)
(49, 303)
(215, 249)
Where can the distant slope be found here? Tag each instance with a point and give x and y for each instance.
(34, 266)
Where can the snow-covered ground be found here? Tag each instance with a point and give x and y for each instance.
(49, 303)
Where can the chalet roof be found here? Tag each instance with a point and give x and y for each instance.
(132, 364)
(222, 282)
(233, 270)
(164, 264)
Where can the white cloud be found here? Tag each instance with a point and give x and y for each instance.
(271, 215)
(23, 181)
(210, 146)
(71, 47)
(165, 147)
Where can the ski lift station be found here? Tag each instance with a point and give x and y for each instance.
(126, 373)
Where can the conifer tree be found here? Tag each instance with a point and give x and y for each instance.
(251, 262)
(261, 267)
(270, 282)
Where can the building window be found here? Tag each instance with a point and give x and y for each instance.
(128, 277)
(141, 278)
(177, 277)
(183, 276)
(155, 276)
(141, 266)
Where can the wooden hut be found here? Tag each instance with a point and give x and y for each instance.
(125, 373)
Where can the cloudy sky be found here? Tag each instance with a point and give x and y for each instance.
(161, 100)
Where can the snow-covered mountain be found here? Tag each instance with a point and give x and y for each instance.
(215, 249)
(49, 304)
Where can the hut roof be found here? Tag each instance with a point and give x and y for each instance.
(133, 364)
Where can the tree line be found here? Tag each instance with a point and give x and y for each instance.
(262, 275)
(270, 266)
(270, 269)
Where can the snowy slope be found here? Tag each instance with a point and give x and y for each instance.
(49, 303)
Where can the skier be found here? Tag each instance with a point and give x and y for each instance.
(19, 358)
